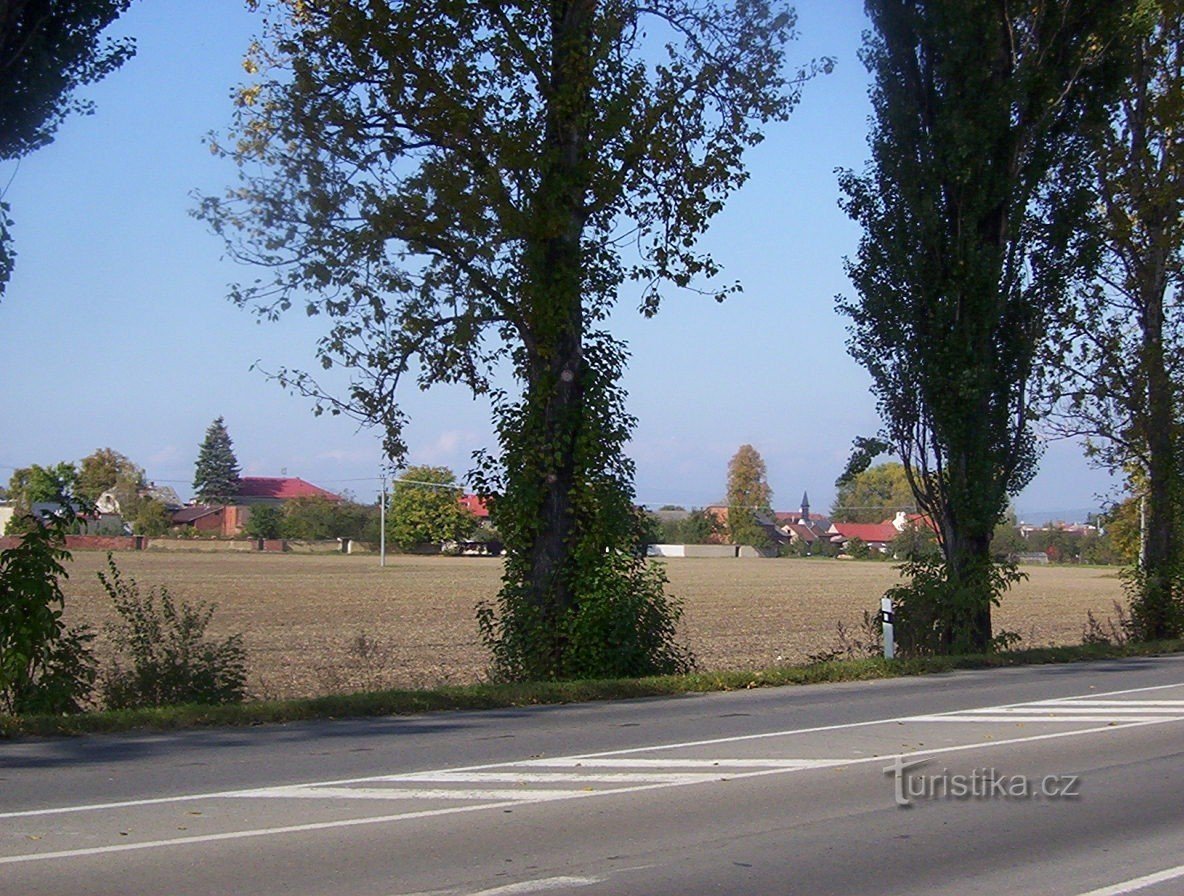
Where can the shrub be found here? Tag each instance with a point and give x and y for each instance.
(165, 657)
(44, 666)
(929, 607)
(264, 522)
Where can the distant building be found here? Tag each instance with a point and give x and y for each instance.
(475, 506)
(276, 490)
(228, 521)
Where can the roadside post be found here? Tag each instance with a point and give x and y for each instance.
(887, 619)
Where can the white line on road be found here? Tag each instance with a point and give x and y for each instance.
(634, 762)
(1017, 717)
(1139, 883)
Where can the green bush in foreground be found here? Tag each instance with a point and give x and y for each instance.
(44, 666)
(165, 656)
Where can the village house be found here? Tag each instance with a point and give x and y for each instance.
(228, 520)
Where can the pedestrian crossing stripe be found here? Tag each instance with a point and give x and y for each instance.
(542, 779)
(1067, 710)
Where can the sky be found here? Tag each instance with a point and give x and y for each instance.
(115, 330)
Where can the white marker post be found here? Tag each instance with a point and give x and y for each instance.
(886, 617)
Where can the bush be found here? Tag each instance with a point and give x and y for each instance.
(165, 656)
(929, 607)
(264, 522)
(44, 666)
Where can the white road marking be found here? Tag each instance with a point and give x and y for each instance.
(1071, 701)
(512, 777)
(1138, 883)
(1084, 708)
(674, 762)
(419, 793)
(540, 886)
(1048, 717)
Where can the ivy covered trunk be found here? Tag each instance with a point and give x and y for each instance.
(577, 601)
(554, 363)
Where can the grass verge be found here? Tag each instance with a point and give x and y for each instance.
(502, 696)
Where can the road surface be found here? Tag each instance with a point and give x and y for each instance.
(1059, 780)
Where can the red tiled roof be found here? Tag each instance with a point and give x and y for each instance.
(475, 506)
(194, 512)
(281, 488)
(879, 533)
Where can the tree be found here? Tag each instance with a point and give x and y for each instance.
(318, 518)
(106, 469)
(873, 495)
(40, 485)
(970, 209)
(749, 497)
(700, 527)
(48, 49)
(265, 521)
(152, 518)
(1122, 356)
(216, 473)
(453, 185)
(424, 508)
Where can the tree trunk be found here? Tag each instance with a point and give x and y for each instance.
(1158, 618)
(967, 619)
(554, 362)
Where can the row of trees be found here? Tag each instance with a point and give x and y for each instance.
(1021, 248)
(77, 486)
(451, 186)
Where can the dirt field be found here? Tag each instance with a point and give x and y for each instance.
(314, 624)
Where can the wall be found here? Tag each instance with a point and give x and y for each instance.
(693, 550)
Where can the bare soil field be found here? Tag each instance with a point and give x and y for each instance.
(319, 624)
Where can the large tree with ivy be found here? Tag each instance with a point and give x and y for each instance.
(970, 210)
(48, 49)
(456, 185)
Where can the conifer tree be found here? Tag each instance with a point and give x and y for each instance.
(216, 474)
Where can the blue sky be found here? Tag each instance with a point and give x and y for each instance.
(115, 330)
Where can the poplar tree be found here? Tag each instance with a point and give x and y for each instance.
(983, 110)
(749, 496)
(458, 187)
(1121, 363)
(216, 473)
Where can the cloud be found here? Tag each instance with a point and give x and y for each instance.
(447, 448)
(348, 455)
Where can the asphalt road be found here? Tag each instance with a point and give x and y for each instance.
(1060, 780)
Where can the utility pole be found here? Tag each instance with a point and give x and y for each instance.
(382, 525)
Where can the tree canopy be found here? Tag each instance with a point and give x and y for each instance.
(425, 508)
(458, 186)
(873, 495)
(1120, 363)
(749, 497)
(105, 469)
(48, 49)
